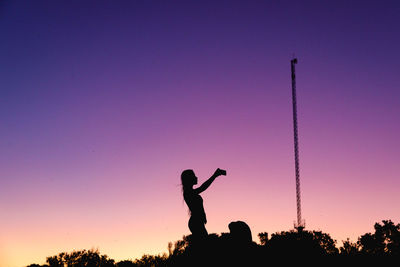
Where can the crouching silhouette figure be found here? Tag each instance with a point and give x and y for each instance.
(194, 201)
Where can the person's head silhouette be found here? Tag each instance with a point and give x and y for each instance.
(188, 179)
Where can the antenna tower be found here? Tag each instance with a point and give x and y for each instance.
(300, 224)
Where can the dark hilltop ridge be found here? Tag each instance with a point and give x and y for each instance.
(237, 248)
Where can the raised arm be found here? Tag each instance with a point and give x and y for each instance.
(207, 183)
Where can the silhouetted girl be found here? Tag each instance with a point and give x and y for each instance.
(195, 201)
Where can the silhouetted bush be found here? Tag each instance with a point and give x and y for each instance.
(87, 258)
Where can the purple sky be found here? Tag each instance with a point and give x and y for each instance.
(104, 103)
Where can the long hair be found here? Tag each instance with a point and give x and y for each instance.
(187, 182)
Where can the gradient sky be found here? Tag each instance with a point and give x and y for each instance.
(104, 103)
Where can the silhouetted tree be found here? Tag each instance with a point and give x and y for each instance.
(126, 263)
(150, 260)
(179, 246)
(326, 242)
(87, 258)
(263, 238)
(385, 240)
(304, 243)
(349, 248)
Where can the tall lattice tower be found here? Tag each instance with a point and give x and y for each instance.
(300, 224)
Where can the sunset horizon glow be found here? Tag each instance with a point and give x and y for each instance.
(104, 104)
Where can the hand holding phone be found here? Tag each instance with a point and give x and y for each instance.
(219, 172)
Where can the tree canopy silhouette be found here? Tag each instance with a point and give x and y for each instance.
(385, 240)
(306, 243)
(226, 249)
